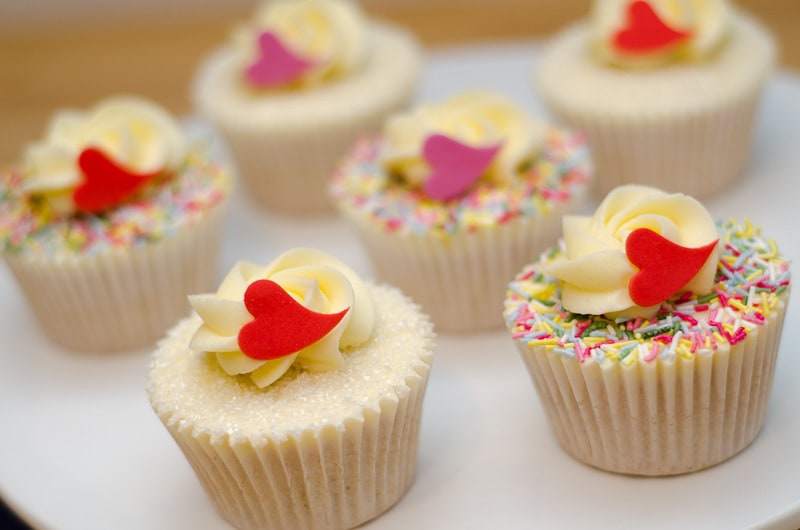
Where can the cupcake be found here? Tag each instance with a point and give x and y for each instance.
(295, 392)
(453, 198)
(295, 87)
(109, 222)
(666, 92)
(651, 333)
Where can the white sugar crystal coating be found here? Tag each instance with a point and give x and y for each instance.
(318, 451)
(190, 387)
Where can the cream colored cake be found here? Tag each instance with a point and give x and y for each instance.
(651, 334)
(454, 248)
(326, 441)
(679, 116)
(110, 221)
(287, 139)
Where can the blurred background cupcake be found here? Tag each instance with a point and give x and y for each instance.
(666, 92)
(454, 196)
(295, 87)
(110, 221)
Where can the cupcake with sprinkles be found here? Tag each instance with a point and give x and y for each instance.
(295, 391)
(454, 197)
(109, 222)
(651, 332)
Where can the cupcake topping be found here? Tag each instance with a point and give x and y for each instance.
(641, 247)
(304, 307)
(750, 285)
(648, 33)
(96, 160)
(443, 149)
(293, 43)
(363, 184)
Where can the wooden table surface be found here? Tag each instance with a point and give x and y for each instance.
(48, 68)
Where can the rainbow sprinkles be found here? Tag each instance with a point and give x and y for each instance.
(751, 285)
(362, 184)
(28, 227)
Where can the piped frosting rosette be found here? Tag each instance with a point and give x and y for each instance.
(295, 43)
(305, 307)
(95, 160)
(651, 333)
(444, 148)
(650, 33)
(641, 247)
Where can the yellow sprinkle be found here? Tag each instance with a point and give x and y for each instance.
(719, 338)
(737, 304)
(543, 342)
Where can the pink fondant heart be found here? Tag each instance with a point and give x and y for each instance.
(281, 326)
(454, 166)
(276, 64)
(664, 267)
(645, 32)
(106, 184)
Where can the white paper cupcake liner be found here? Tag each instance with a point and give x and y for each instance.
(339, 466)
(460, 279)
(684, 127)
(286, 145)
(664, 417)
(333, 480)
(698, 153)
(124, 298)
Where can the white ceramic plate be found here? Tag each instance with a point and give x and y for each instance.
(81, 449)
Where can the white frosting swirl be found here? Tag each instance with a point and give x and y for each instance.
(317, 281)
(595, 269)
(707, 21)
(475, 118)
(329, 33)
(133, 132)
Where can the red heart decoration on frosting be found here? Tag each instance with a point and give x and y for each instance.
(664, 267)
(281, 326)
(106, 183)
(454, 166)
(276, 64)
(645, 31)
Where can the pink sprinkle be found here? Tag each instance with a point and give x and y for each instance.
(723, 299)
(688, 318)
(684, 297)
(653, 353)
(394, 224)
(663, 338)
(701, 307)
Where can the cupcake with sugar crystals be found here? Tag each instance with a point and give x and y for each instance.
(294, 88)
(295, 391)
(651, 334)
(109, 222)
(454, 197)
(666, 92)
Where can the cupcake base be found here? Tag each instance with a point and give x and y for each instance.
(286, 144)
(456, 278)
(121, 299)
(327, 450)
(664, 417)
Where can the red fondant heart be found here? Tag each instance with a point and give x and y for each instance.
(276, 64)
(454, 166)
(664, 267)
(645, 31)
(106, 183)
(281, 326)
